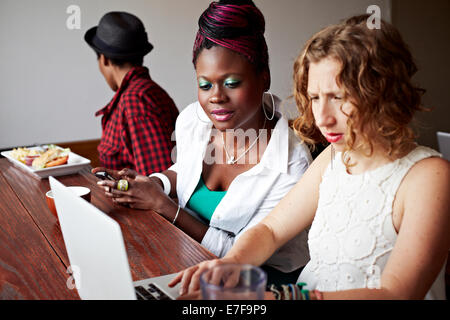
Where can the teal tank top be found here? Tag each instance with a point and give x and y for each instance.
(204, 201)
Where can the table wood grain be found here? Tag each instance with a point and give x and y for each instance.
(29, 267)
(154, 246)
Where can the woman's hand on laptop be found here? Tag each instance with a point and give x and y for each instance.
(196, 295)
(190, 277)
(142, 192)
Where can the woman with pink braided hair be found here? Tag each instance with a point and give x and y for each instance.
(236, 154)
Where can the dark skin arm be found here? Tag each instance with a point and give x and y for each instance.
(147, 194)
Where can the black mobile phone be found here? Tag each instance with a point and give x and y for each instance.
(104, 176)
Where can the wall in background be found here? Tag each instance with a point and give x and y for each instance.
(50, 84)
(425, 27)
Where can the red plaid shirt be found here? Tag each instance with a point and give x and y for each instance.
(137, 126)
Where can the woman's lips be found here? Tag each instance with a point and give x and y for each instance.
(333, 137)
(222, 114)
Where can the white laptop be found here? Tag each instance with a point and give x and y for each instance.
(444, 144)
(97, 254)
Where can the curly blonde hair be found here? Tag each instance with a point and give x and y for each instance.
(376, 71)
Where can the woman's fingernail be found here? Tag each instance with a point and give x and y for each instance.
(181, 291)
(100, 183)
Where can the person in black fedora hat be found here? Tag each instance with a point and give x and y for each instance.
(119, 35)
(137, 124)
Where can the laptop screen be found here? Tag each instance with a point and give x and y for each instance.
(95, 247)
(444, 144)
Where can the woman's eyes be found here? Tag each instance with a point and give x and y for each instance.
(335, 98)
(206, 85)
(232, 83)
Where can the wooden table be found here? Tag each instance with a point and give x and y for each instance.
(33, 258)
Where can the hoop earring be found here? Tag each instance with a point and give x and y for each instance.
(196, 112)
(273, 107)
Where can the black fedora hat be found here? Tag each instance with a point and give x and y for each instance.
(119, 35)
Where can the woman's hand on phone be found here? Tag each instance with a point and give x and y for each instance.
(143, 192)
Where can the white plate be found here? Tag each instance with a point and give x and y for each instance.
(73, 165)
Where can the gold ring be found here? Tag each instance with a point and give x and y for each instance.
(122, 185)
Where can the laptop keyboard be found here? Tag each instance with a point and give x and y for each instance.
(150, 293)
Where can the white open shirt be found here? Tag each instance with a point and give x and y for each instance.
(252, 194)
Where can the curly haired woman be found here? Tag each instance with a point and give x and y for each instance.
(378, 202)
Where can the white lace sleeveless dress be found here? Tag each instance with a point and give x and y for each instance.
(352, 234)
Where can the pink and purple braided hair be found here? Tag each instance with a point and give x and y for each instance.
(235, 25)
